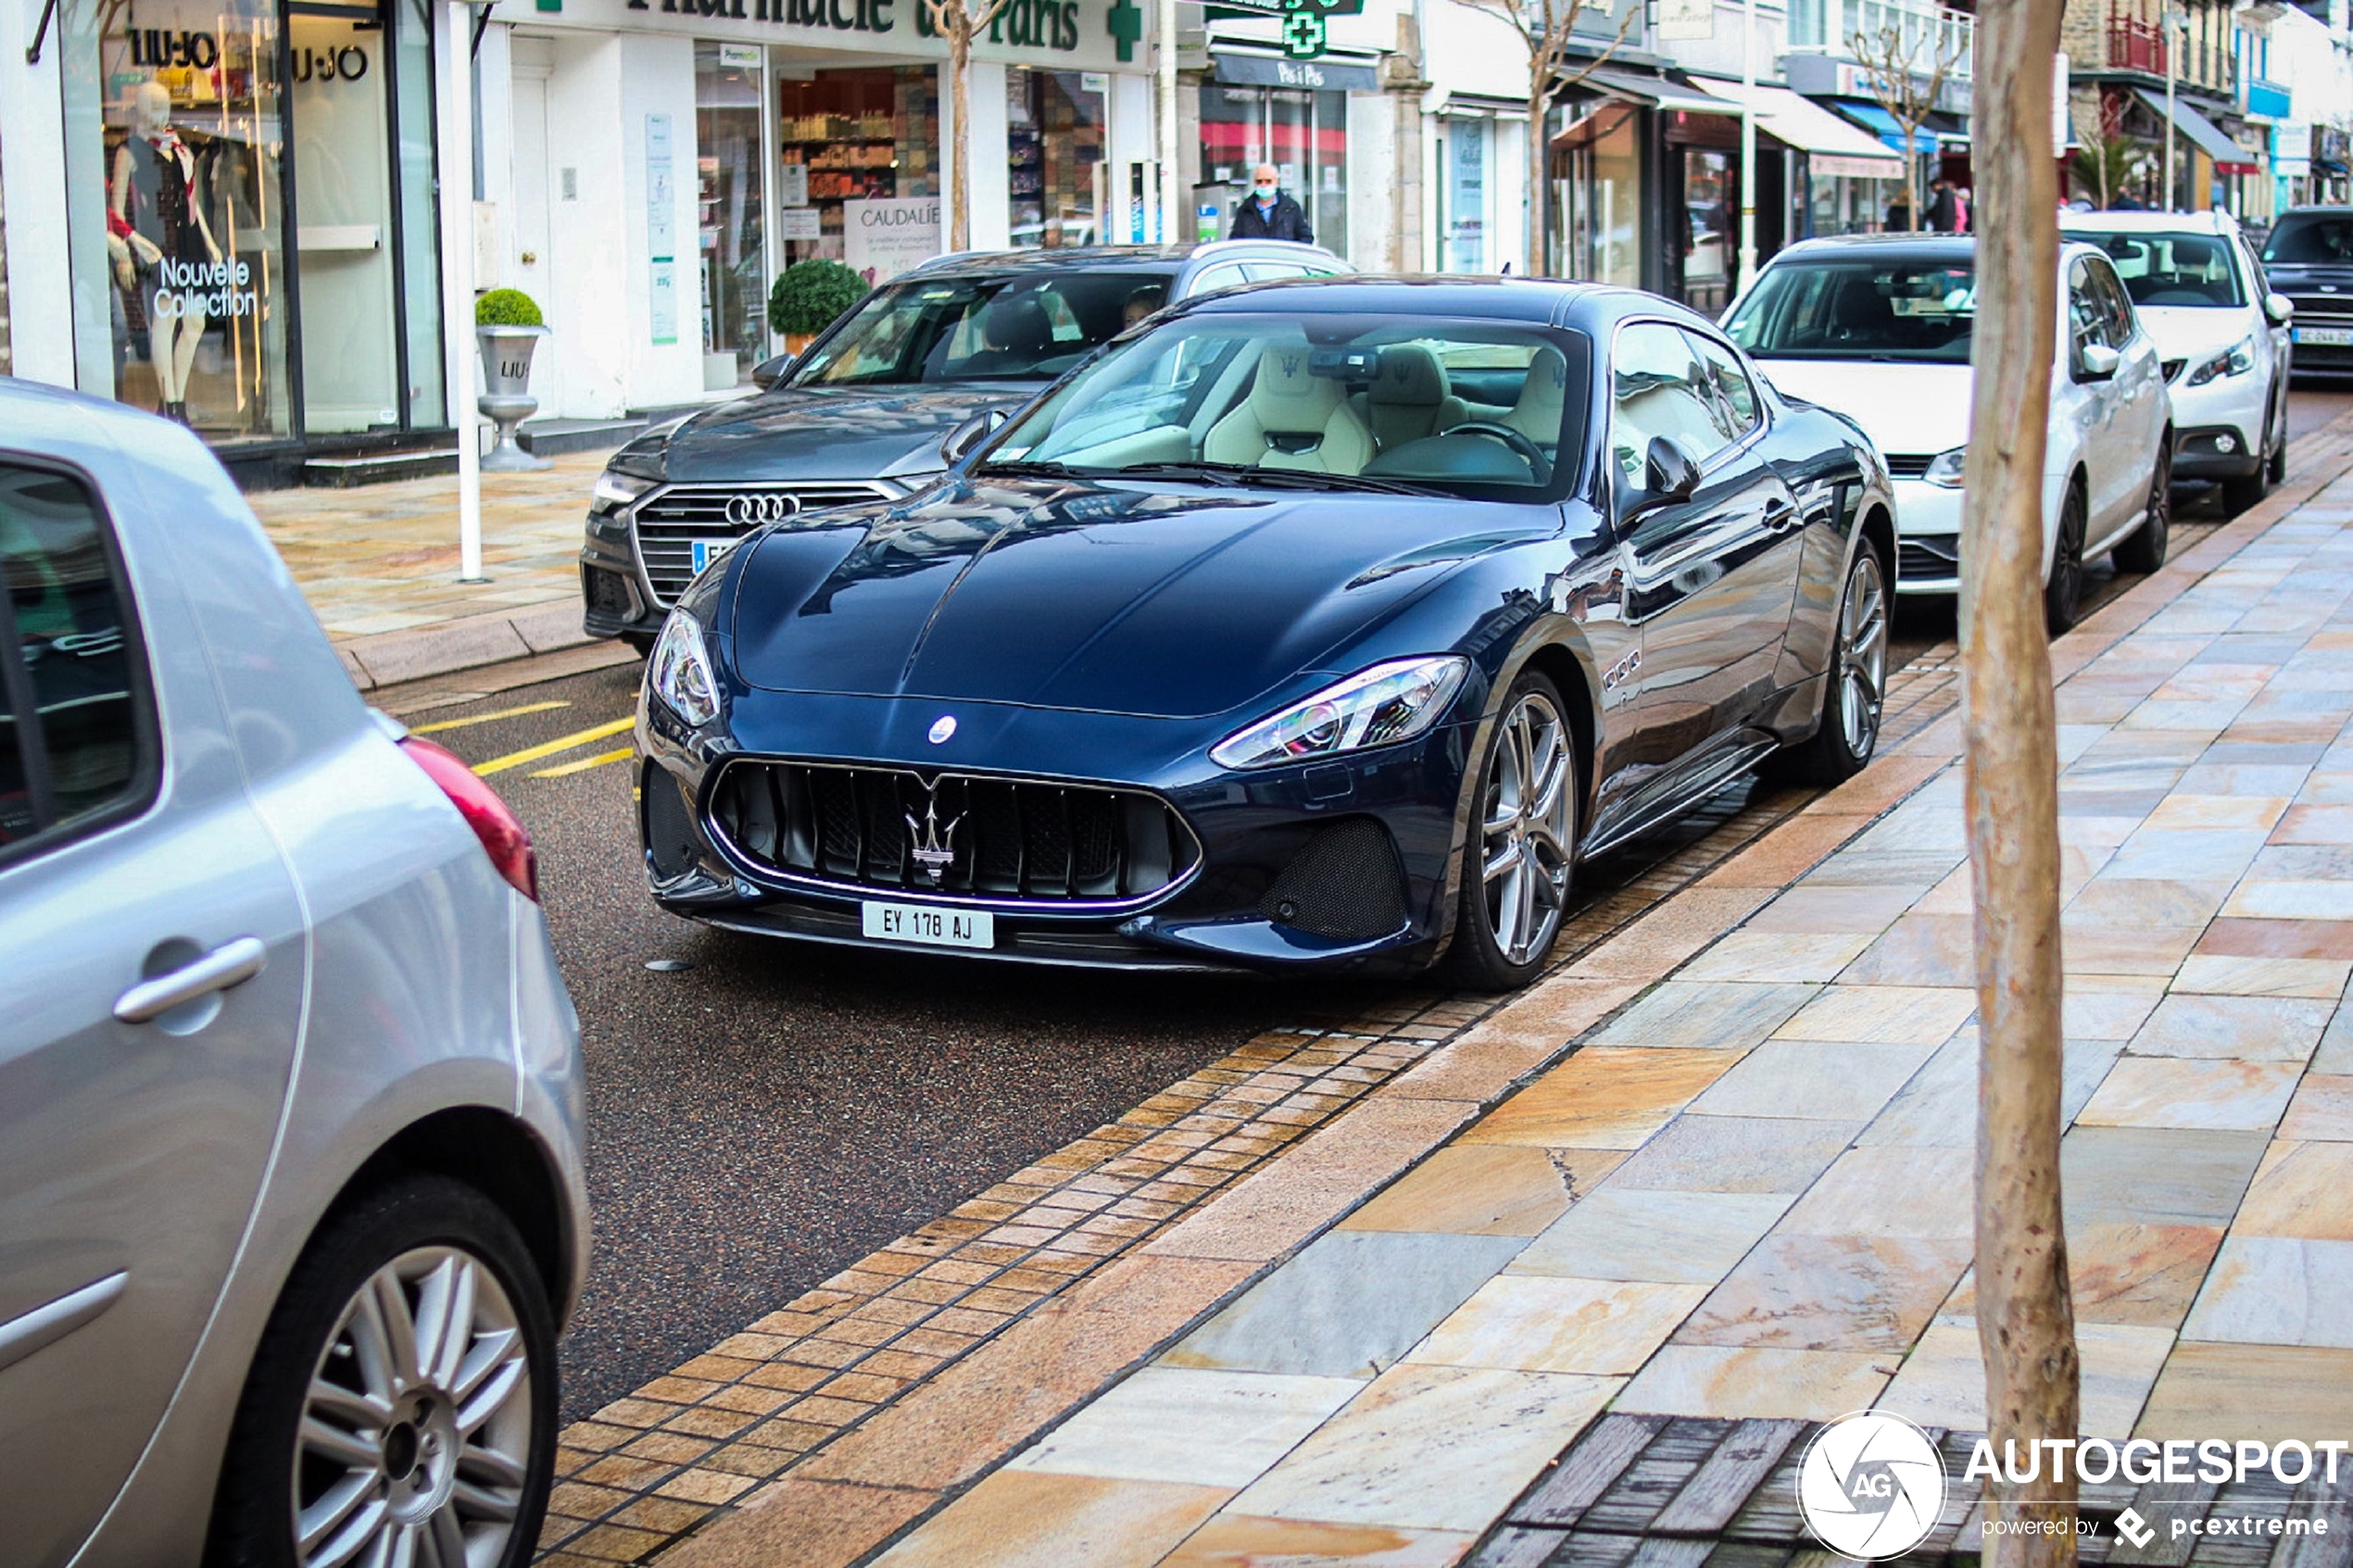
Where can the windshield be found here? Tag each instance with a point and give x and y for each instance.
(1013, 327)
(1859, 310)
(1344, 402)
(2191, 270)
(2317, 240)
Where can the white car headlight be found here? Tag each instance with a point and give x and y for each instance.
(679, 671)
(616, 490)
(1377, 707)
(1945, 468)
(2235, 360)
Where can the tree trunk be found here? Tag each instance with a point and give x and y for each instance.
(2026, 1321)
(1539, 183)
(959, 54)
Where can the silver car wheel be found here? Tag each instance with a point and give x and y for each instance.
(1530, 811)
(416, 1431)
(1862, 655)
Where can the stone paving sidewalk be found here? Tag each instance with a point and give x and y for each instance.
(1743, 1192)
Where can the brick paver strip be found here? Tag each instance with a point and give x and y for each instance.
(829, 1426)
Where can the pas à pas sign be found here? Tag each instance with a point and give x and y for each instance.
(2143, 1460)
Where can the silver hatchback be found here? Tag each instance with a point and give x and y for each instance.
(291, 1197)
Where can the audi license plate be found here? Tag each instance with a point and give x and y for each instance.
(932, 927)
(708, 550)
(2325, 337)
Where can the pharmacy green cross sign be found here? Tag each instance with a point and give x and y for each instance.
(1304, 32)
(1126, 27)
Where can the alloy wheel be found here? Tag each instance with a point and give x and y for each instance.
(416, 1431)
(1529, 809)
(1862, 655)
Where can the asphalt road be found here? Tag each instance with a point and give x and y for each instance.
(769, 1114)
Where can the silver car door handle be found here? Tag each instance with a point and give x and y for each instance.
(43, 1326)
(232, 963)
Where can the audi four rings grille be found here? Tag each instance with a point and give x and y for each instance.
(1014, 840)
(668, 522)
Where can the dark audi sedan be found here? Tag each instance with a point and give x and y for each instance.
(1324, 624)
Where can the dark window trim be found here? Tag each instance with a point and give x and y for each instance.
(147, 771)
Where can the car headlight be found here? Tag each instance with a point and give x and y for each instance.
(1945, 468)
(679, 671)
(613, 491)
(2235, 360)
(1377, 707)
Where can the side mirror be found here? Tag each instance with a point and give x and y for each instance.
(1668, 472)
(958, 444)
(768, 372)
(2278, 309)
(2096, 361)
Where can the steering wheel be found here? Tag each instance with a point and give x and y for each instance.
(1540, 466)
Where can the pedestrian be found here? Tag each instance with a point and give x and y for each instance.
(2127, 202)
(1899, 214)
(1944, 208)
(1271, 213)
(1963, 197)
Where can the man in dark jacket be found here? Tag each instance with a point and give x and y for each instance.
(1270, 213)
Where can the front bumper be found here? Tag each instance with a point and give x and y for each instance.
(614, 599)
(1928, 537)
(2218, 427)
(1233, 911)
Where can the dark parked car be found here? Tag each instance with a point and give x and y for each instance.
(1321, 624)
(2308, 257)
(858, 415)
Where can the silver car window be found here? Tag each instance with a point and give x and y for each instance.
(1659, 387)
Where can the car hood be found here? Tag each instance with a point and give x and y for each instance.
(1913, 408)
(826, 433)
(1103, 598)
(2188, 331)
(2310, 277)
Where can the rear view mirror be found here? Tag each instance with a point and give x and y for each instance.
(2096, 361)
(1668, 472)
(2278, 309)
(768, 372)
(958, 444)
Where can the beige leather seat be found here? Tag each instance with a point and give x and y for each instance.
(1537, 414)
(1410, 397)
(1291, 420)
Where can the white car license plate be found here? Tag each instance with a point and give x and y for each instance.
(2325, 337)
(932, 927)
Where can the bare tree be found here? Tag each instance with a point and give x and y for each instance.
(1548, 28)
(2025, 1316)
(960, 22)
(1905, 63)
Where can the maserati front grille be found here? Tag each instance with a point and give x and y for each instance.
(671, 524)
(1044, 841)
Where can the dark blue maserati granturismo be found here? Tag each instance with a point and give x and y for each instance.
(1325, 624)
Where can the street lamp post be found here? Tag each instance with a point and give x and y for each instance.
(2170, 20)
(455, 189)
(1748, 147)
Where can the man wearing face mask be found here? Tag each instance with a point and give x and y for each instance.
(1270, 213)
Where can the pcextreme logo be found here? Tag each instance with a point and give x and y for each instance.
(1871, 1485)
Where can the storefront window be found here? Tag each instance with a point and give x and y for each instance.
(1707, 219)
(1463, 223)
(851, 135)
(174, 133)
(1605, 199)
(411, 87)
(350, 375)
(1055, 141)
(732, 234)
(1303, 134)
(1843, 204)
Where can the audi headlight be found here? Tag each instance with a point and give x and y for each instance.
(1377, 707)
(679, 671)
(2235, 360)
(1945, 468)
(614, 491)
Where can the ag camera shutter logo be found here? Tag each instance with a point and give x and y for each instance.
(1871, 1485)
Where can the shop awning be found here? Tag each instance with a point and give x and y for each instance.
(1832, 145)
(2228, 155)
(1654, 92)
(1885, 126)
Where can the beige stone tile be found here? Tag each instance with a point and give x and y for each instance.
(2091, 947)
(1673, 1237)
(1537, 1322)
(1236, 1541)
(1777, 955)
(1204, 1428)
(1831, 1293)
(2249, 1028)
(1830, 1080)
(2285, 900)
(1432, 1448)
(2218, 811)
(2299, 1190)
(2277, 1290)
(809, 1524)
(2321, 1110)
(2138, 901)
(1751, 1382)
(1602, 1098)
(1486, 1190)
(2172, 1092)
(1943, 1381)
(1849, 911)
(2269, 1392)
(1711, 1015)
(1890, 1190)
(1698, 1153)
(1896, 1014)
(1017, 1518)
(1652, 946)
(2264, 977)
(2110, 1008)
(1919, 950)
(2122, 1272)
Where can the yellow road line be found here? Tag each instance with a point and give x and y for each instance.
(561, 769)
(549, 748)
(484, 718)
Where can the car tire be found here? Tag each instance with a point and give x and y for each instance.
(641, 642)
(339, 1433)
(1855, 684)
(2142, 551)
(2275, 459)
(2063, 587)
(1523, 824)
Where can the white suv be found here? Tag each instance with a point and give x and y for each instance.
(2222, 333)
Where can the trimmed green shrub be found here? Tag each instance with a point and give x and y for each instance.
(506, 307)
(809, 294)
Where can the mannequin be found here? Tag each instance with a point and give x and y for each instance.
(155, 216)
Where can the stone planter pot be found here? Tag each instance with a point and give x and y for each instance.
(506, 399)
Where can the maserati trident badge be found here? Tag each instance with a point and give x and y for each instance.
(933, 847)
(942, 727)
